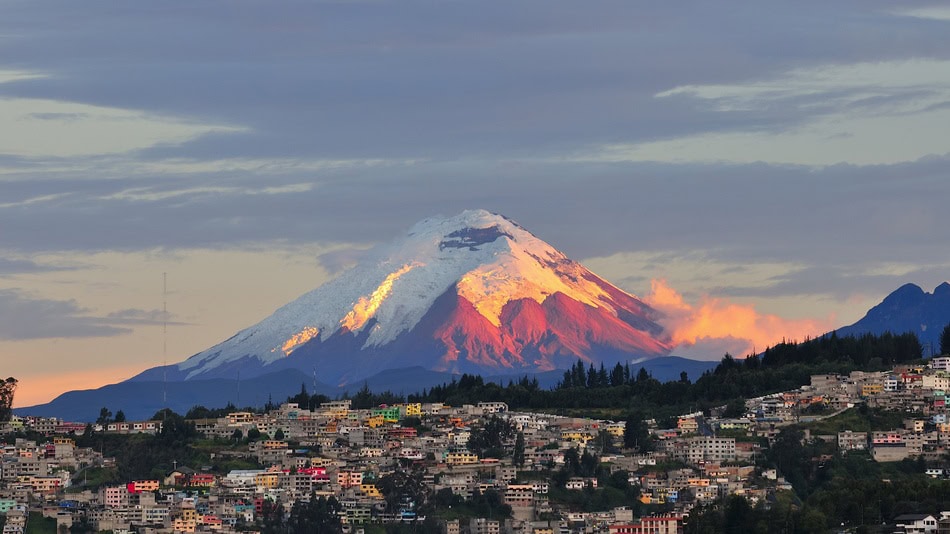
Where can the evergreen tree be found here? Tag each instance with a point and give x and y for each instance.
(517, 457)
(616, 376)
(636, 435)
(945, 340)
(105, 416)
(302, 399)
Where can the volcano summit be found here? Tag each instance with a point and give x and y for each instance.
(472, 293)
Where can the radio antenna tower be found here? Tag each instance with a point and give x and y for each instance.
(165, 342)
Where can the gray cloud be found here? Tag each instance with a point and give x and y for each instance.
(424, 79)
(23, 317)
(10, 266)
(485, 98)
(134, 316)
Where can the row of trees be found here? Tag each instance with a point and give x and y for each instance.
(785, 366)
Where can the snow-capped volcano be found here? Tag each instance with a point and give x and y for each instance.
(471, 293)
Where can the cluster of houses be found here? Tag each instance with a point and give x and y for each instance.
(335, 450)
(918, 391)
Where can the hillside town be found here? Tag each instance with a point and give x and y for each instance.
(381, 465)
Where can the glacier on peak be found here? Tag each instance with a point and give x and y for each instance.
(489, 259)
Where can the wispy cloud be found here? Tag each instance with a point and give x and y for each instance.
(25, 317)
(862, 113)
(13, 266)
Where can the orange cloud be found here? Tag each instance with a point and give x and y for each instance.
(37, 389)
(715, 319)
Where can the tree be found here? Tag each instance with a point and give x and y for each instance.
(404, 491)
(517, 458)
(279, 435)
(199, 412)
(105, 416)
(945, 340)
(7, 389)
(120, 416)
(643, 375)
(490, 439)
(301, 399)
(319, 514)
(616, 376)
(175, 429)
(734, 409)
(636, 435)
(272, 516)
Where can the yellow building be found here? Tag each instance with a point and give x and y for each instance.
(240, 418)
(871, 389)
(265, 480)
(144, 485)
(184, 525)
(370, 490)
(461, 458)
(189, 515)
(317, 461)
(337, 409)
(687, 425)
(413, 409)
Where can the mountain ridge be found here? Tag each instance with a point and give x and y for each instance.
(908, 309)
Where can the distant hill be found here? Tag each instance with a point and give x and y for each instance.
(908, 309)
(141, 399)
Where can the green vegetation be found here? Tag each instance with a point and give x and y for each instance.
(448, 506)
(636, 435)
(860, 419)
(830, 489)
(490, 439)
(945, 340)
(7, 389)
(37, 524)
(141, 456)
(94, 477)
(318, 514)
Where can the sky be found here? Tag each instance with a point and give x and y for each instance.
(774, 167)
